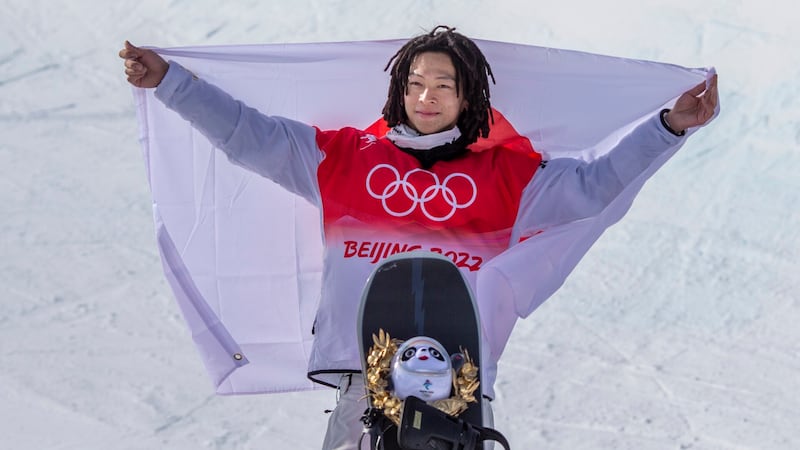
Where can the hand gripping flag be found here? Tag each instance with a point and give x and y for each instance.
(233, 243)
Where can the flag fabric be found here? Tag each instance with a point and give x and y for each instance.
(233, 243)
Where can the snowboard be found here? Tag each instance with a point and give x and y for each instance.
(419, 294)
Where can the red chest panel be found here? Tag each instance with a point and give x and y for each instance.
(370, 181)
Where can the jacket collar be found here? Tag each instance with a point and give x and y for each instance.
(404, 136)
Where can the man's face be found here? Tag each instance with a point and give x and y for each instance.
(432, 102)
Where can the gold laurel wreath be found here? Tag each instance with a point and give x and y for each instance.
(379, 364)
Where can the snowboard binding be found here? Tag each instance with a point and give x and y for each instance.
(424, 427)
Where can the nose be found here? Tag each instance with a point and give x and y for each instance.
(426, 96)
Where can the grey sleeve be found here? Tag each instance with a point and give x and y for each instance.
(283, 150)
(567, 189)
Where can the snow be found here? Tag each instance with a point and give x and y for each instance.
(678, 330)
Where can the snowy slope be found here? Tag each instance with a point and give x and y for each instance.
(678, 330)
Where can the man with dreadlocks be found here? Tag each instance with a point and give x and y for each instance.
(459, 63)
(463, 196)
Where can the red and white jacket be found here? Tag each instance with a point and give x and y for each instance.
(376, 201)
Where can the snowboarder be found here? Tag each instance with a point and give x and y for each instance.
(425, 187)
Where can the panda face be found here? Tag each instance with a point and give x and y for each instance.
(422, 355)
(422, 367)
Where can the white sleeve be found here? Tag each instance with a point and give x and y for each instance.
(565, 189)
(283, 150)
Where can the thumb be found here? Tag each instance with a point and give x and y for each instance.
(132, 51)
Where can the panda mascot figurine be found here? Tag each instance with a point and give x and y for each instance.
(421, 367)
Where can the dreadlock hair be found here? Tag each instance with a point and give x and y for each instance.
(471, 80)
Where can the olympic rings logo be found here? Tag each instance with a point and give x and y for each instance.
(402, 186)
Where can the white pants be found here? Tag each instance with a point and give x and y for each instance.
(344, 424)
(345, 427)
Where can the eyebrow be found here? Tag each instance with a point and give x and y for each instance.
(438, 77)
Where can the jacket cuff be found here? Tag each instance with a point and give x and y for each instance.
(175, 76)
(663, 116)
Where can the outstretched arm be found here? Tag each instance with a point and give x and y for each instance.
(283, 150)
(144, 68)
(566, 189)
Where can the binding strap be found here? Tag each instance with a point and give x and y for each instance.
(424, 427)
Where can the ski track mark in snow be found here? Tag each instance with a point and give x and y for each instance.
(176, 419)
(30, 73)
(215, 31)
(12, 56)
(37, 114)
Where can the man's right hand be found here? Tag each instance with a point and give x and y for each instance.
(144, 68)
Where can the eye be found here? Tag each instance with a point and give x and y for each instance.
(435, 353)
(409, 353)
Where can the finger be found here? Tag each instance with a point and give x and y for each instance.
(712, 94)
(137, 69)
(709, 106)
(137, 74)
(131, 66)
(713, 81)
(711, 84)
(711, 103)
(134, 64)
(129, 54)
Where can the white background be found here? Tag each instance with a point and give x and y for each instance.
(678, 330)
